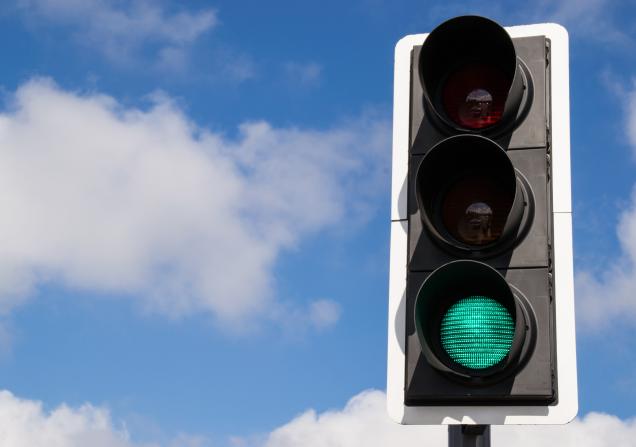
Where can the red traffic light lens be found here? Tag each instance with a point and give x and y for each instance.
(475, 95)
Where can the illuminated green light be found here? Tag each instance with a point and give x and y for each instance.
(477, 332)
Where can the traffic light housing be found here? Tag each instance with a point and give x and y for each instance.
(481, 324)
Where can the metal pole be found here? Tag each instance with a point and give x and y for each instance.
(469, 436)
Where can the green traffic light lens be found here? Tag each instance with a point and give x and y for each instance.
(477, 332)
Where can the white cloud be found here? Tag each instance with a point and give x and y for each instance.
(184, 440)
(631, 116)
(303, 73)
(324, 313)
(590, 18)
(173, 58)
(296, 321)
(364, 422)
(24, 423)
(607, 297)
(568, 10)
(236, 67)
(144, 203)
(119, 28)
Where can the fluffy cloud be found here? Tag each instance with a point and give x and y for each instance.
(608, 297)
(143, 203)
(117, 28)
(26, 424)
(364, 422)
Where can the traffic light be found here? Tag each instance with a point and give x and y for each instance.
(481, 305)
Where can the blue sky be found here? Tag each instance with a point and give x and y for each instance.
(194, 249)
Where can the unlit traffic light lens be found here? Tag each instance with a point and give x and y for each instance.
(474, 96)
(469, 195)
(475, 208)
(477, 332)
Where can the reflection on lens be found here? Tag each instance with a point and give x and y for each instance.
(475, 209)
(474, 226)
(475, 95)
(476, 107)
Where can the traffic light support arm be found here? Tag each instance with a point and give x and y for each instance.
(469, 436)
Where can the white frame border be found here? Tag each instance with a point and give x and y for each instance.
(566, 408)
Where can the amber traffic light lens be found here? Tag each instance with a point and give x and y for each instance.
(475, 209)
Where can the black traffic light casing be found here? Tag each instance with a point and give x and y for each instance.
(481, 290)
(513, 154)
